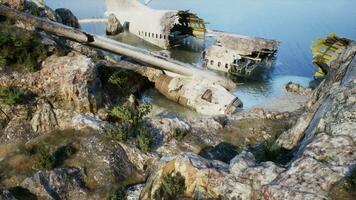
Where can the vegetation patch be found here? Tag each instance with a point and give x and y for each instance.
(13, 96)
(144, 139)
(270, 151)
(172, 187)
(117, 194)
(46, 160)
(21, 50)
(129, 124)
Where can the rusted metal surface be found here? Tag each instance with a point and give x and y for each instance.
(239, 55)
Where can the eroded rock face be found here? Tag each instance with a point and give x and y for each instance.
(242, 179)
(73, 82)
(326, 153)
(60, 183)
(105, 163)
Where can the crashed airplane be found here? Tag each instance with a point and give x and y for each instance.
(241, 56)
(163, 28)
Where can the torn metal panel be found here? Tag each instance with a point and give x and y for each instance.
(199, 94)
(239, 55)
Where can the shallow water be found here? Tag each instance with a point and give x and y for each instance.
(295, 23)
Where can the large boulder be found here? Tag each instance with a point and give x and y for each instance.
(67, 17)
(71, 82)
(60, 183)
(113, 26)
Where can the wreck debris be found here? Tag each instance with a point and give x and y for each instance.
(114, 46)
(201, 95)
(325, 50)
(239, 55)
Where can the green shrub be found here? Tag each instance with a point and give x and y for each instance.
(123, 113)
(118, 79)
(119, 133)
(63, 153)
(117, 194)
(132, 125)
(44, 159)
(20, 49)
(47, 160)
(12, 96)
(173, 186)
(144, 139)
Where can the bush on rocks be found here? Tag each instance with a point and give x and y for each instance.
(20, 49)
(12, 96)
(173, 187)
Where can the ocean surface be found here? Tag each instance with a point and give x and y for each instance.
(294, 23)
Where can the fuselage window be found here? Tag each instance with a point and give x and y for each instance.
(211, 62)
(156, 35)
(226, 65)
(145, 34)
(160, 36)
(219, 64)
(164, 36)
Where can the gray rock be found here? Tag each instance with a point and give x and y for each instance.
(60, 183)
(67, 17)
(113, 26)
(6, 195)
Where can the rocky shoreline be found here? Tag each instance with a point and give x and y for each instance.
(74, 128)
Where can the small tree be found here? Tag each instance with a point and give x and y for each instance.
(44, 159)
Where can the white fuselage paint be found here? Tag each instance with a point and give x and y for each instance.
(148, 24)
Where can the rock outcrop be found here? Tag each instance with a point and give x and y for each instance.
(113, 25)
(60, 183)
(67, 17)
(297, 88)
(327, 151)
(207, 179)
